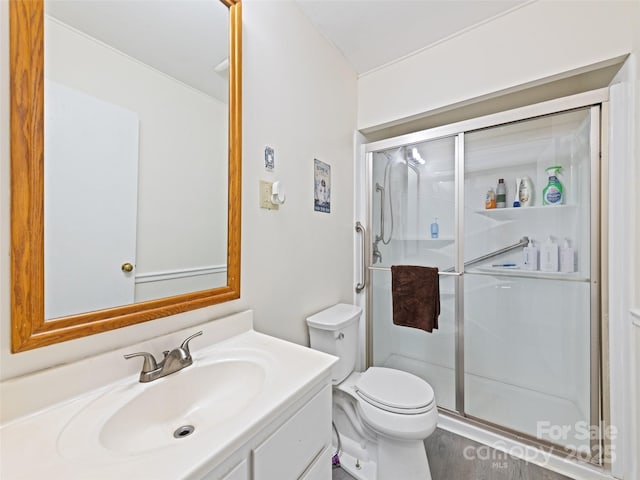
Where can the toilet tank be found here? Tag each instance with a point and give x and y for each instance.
(335, 331)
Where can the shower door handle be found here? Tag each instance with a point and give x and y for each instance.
(363, 275)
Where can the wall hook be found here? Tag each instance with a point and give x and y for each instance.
(278, 195)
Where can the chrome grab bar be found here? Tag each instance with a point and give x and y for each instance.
(380, 188)
(524, 241)
(360, 286)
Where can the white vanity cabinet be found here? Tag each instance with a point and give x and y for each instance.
(260, 408)
(297, 445)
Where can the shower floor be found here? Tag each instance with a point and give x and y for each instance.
(540, 415)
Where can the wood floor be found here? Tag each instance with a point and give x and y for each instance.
(452, 457)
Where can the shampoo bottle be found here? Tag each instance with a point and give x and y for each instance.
(567, 258)
(524, 192)
(553, 193)
(501, 194)
(435, 230)
(549, 256)
(530, 257)
(490, 200)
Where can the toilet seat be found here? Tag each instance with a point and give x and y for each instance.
(395, 391)
(396, 404)
(403, 427)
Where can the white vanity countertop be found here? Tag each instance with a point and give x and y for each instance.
(33, 445)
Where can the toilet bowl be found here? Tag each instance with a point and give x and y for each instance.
(382, 415)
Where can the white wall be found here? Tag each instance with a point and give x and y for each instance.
(5, 196)
(625, 326)
(539, 40)
(300, 98)
(635, 354)
(635, 381)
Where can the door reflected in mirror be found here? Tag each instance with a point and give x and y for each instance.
(135, 151)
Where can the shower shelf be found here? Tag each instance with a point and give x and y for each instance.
(517, 272)
(512, 213)
(430, 242)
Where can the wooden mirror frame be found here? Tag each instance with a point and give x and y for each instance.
(28, 326)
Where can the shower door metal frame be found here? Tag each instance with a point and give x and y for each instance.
(459, 269)
(596, 101)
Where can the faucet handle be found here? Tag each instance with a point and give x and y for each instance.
(185, 344)
(149, 361)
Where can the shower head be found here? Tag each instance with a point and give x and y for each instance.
(408, 154)
(412, 155)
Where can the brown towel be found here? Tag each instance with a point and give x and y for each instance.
(416, 296)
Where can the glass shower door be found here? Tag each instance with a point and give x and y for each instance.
(528, 327)
(413, 202)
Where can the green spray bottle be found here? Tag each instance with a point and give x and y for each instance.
(553, 193)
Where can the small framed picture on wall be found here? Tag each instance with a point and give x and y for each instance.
(269, 159)
(322, 186)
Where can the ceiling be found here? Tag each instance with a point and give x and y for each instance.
(185, 39)
(171, 35)
(372, 33)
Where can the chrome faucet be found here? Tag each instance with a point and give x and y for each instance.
(173, 360)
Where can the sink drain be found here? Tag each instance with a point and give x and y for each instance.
(184, 431)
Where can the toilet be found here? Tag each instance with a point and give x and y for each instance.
(382, 415)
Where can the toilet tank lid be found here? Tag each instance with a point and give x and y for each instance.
(336, 317)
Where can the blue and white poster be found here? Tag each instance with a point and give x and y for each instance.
(322, 186)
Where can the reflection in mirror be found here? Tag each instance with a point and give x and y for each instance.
(135, 151)
(127, 208)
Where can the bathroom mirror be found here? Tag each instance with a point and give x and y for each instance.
(101, 151)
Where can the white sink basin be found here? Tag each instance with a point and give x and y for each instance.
(134, 418)
(93, 419)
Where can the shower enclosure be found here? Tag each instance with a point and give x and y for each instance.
(516, 349)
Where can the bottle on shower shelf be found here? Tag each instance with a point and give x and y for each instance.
(501, 194)
(549, 256)
(553, 193)
(530, 256)
(524, 191)
(567, 258)
(490, 200)
(435, 230)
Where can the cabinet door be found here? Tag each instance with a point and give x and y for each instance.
(240, 472)
(295, 445)
(527, 333)
(321, 468)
